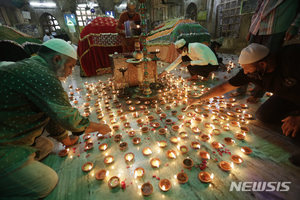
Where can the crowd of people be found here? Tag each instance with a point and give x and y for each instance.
(33, 99)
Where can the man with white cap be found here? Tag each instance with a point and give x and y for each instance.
(279, 74)
(197, 57)
(32, 99)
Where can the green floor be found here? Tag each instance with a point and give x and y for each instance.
(268, 162)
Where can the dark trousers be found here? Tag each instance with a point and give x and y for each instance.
(276, 109)
(274, 43)
(202, 70)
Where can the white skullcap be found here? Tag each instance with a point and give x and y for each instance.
(179, 43)
(253, 53)
(131, 5)
(62, 47)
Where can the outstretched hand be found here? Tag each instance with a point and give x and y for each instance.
(291, 125)
(100, 127)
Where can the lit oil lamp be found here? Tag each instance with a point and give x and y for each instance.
(174, 139)
(180, 117)
(205, 177)
(216, 132)
(139, 172)
(216, 121)
(171, 154)
(131, 133)
(129, 157)
(123, 146)
(248, 116)
(147, 151)
(135, 114)
(147, 189)
(101, 174)
(137, 102)
(165, 185)
(196, 130)
(158, 111)
(88, 146)
(245, 129)
(226, 128)
(108, 159)
(136, 140)
(204, 155)
(117, 138)
(88, 166)
(146, 112)
(123, 118)
(182, 177)
(145, 129)
(168, 107)
(128, 102)
(246, 150)
(100, 116)
(113, 121)
(187, 123)
(240, 136)
(237, 159)
(183, 149)
(188, 163)
(131, 108)
(163, 115)
(86, 114)
(234, 123)
(103, 146)
(155, 162)
(63, 152)
(87, 104)
(183, 135)
(151, 118)
(216, 145)
(225, 166)
(86, 136)
(127, 125)
(113, 182)
(244, 106)
(143, 107)
(162, 143)
(205, 115)
(229, 140)
(230, 114)
(189, 114)
(139, 121)
(116, 127)
(195, 145)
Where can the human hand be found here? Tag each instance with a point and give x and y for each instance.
(100, 127)
(291, 124)
(161, 75)
(253, 99)
(290, 33)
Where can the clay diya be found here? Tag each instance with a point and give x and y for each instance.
(205, 177)
(204, 137)
(204, 155)
(139, 121)
(195, 145)
(183, 149)
(225, 166)
(88, 166)
(169, 121)
(128, 102)
(137, 102)
(123, 118)
(168, 107)
(108, 159)
(163, 115)
(189, 114)
(239, 136)
(86, 136)
(100, 116)
(244, 106)
(147, 151)
(226, 128)
(182, 177)
(216, 145)
(113, 182)
(123, 146)
(248, 116)
(135, 115)
(171, 154)
(151, 118)
(136, 140)
(237, 159)
(63, 152)
(131, 108)
(147, 189)
(196, 130)
(175, 128)
(162, 143)
(174, 112)
(183, 135)
(155, 125)
(165, 185)
(131, 133)
(103, 147)
(127, 125)
(245, 129)
(174, 139)
(139, 172)
(162, 131)
(246, 150)
(180, 117)
(88, 146)
(101, 174)
(146, 112)
(145, 129)
(155, 162)
(216, 131)
(129, 157)
(117, 138)
(116, 127)
(229, 140)
(188, 163)
(216, 121)
(234, 123)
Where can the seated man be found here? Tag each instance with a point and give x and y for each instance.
(32, 100)
(279, 74)
(197, 57)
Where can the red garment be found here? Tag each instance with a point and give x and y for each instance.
(97, 40)
(127, 43)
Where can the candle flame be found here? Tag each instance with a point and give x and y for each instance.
(212, 176)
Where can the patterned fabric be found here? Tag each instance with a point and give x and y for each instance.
(275, 16)
(105, 39)
(31, 94)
